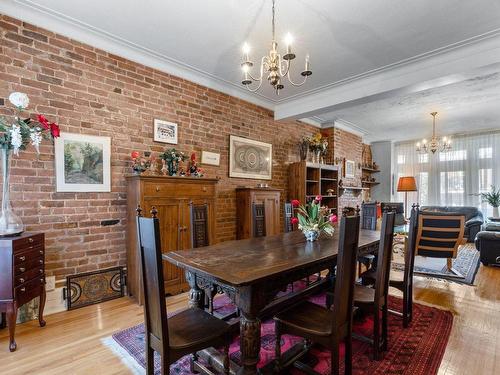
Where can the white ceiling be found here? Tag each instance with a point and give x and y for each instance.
(463, 107)
(201, 40)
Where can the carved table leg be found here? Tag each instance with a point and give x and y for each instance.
(249, 343)
(43, 297)
(196, 295)
(11, 322)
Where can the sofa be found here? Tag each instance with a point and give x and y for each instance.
(488, 244)
(473, 218)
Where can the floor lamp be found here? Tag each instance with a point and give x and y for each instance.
(406, 184)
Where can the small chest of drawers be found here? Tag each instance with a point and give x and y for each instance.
(22, 277)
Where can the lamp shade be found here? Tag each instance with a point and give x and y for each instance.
(407, 183)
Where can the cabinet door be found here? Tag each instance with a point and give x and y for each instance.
(271, 203)
(186, 227)
(170, 217)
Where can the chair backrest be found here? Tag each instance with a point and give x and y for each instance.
(398, 208)
(369, 216)
(346, 272)
(384, 256)
(439, 234)
(288, 217)
(259, 219)
(199, 225)
(155, 310)
(411, 247)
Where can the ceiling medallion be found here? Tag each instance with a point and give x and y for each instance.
(435, 144)
(275, 66)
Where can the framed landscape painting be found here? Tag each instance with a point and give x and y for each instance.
(165, 132)
(249, 158)
(83, 163)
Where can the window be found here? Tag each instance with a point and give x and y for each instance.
(485, 153)
(453, 155)
(401, 159)
(423, 158)
(452, 188)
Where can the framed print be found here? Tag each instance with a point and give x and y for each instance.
(165, 132)
(249, 158)
(83, 163)
(210, 158)
(349, 168)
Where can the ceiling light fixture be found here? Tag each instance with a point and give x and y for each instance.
(275, 66)
(435, 144)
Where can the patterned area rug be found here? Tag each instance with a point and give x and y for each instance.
(467, 263)
(417, 350)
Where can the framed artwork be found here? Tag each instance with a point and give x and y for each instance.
(83, 163)
(210, 158)
(249, 158)
(165, 132)
(349, 169)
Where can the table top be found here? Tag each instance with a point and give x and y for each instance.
(244, 262)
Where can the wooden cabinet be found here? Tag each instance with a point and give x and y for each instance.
(172, 197)
(22, 277)
(245, 200)
(307, 180)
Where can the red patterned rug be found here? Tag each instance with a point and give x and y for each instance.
(416, 350)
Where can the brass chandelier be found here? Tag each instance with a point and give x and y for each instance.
(435, 144)
(275, 66)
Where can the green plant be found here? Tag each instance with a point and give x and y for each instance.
(492, 197)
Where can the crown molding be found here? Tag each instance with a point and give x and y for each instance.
(436, 68)
(85, 33)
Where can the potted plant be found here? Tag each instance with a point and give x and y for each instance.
(493, 199)
(16, 135)
(173, 157)
(313, 219)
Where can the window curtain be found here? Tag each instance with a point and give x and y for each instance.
(453, 178)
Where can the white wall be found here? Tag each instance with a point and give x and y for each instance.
(382, 155)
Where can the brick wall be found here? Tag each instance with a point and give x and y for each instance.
(90, 91)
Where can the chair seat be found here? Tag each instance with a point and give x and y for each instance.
(194, 326)
(396, 277)
(363, 294)
(307, 317)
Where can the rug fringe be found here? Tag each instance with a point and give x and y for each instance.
(124, 356)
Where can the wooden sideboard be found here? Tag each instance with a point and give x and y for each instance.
(172, 197)
(22, 276)
(245, 199)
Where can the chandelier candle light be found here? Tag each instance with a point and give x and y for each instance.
(435, 144)
(275, 66)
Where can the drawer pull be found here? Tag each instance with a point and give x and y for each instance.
(23, 289)
(41, 252)
(204, 188)
(30, 240)
(41, 271)
(21, 280)
(40, 261)
(22, 258)
(157, 189)
(42, 280)
(22, 269)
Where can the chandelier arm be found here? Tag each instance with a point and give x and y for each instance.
(293, 83)
(262, 62)
(257, 88)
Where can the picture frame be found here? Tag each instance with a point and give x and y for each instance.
(210, 158)
(83, 163)
(349, 169)
(249, 158)
(165, 132)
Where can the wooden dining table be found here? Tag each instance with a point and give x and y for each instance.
(253, 271)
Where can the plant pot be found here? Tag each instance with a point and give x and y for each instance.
(495, 212)
(311, 234)
(10, 223)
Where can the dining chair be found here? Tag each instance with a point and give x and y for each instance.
(439, 236)
(402, 281)
(184, 333)
(318, 324)
(259, 219)
(374, 299)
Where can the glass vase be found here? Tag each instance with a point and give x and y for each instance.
(10, 223)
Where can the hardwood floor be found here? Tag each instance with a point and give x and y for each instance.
(70, 343)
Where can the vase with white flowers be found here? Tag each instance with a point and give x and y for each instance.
(313, 219)
(16, 135)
